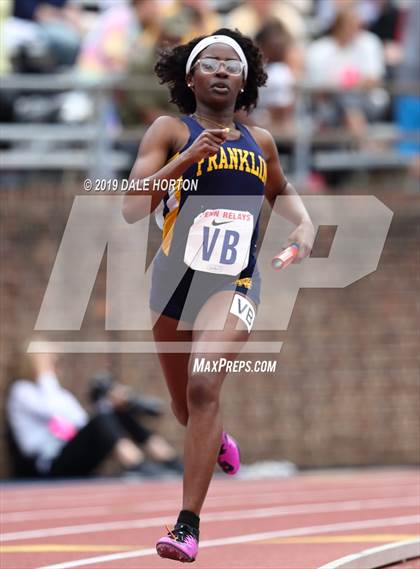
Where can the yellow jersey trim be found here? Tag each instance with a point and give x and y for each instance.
(246, 282)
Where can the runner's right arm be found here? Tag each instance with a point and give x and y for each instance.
(151, 163)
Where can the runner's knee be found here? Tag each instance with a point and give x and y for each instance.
(202, 392)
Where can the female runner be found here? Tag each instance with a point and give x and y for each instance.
(205, 278)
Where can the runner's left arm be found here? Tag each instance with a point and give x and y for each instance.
(291, 206)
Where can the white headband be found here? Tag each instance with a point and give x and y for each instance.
(209, 40)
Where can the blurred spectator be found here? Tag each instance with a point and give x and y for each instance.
(252, 15)
(351, 61)
(55, 26)
(326, 11)
(136, 105)
(6, 97)
(276, 98)
(125, 41)
(386, 25)
(119, 32)
(198, 15)
(127, 32)
(5, 11)
(123, 31)
(408, 80)
(53, 436)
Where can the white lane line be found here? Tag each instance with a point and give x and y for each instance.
(167, 505)
(282, 494)
(16, 496)
(236, 488)
(376, 557)
(92, 498)
(284, 497)
(234, 540)
(298, 509)
(56, 513)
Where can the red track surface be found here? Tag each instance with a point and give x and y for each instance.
(304, 522)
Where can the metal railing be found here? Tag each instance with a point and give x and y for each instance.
(95, 151)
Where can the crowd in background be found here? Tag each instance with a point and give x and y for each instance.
(347, 49)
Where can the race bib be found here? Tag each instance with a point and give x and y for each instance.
(219, 241)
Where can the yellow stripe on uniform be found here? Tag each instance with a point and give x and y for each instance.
(173, 157)
(170, 218)
(246, 282)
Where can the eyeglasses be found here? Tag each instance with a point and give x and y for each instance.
(209, 65)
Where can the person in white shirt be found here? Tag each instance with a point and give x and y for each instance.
(276, 98)
(57, 438)
(349, 61)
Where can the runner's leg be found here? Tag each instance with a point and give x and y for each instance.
(204, 428)
(174, 366)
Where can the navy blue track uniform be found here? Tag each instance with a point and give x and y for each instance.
(209, 235)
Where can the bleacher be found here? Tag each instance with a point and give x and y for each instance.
(92, 148)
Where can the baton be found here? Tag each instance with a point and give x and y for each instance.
(284, 258)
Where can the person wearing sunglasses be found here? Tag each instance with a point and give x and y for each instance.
(205, 283)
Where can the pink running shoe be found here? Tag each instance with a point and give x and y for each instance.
(229, 458)
(181, 544)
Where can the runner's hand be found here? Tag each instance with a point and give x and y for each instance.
(207, 144)
(304, 236)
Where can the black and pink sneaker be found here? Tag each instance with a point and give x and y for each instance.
(180, 544)
(229, 458)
